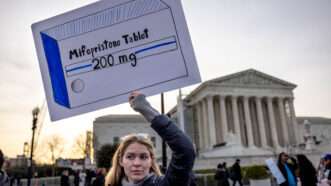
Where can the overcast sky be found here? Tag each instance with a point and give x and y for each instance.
(290, 40)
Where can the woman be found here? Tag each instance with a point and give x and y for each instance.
(307, 172)
(287, 169)
(134, 162)
(320, 170)
(222, 175)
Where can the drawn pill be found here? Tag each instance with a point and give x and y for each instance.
(77, 85)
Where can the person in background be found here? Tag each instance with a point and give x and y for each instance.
(327, 171)
(89, 175)
(307, 172)
(100, 177)
(222, 175)
(76, 177)
(82, 176)
(320, 170)
(287, 167)
(236, 173)
(134, 162)
(65, 178)
(4, 179)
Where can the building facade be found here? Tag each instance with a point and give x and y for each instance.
(109, 130)
(248, 114)
(253, 108)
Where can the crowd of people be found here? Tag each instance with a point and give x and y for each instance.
(84, 177)
(134, 162)
(301, 169)
(296, 171)
(223, 174)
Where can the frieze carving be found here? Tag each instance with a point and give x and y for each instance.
(251, 78)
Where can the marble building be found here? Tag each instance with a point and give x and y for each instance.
(250, 107)
(248, 114)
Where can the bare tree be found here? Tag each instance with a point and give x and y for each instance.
(56, 145)
(49, 149)
(42, 154)
(83, 144)
(79, 146)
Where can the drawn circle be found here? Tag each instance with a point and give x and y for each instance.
(77, 85)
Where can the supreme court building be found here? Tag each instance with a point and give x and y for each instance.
(245, 110)
(248, 115)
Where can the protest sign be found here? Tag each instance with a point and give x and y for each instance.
(275, 171)
(94, 56)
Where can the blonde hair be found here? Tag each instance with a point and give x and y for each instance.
(116, 173)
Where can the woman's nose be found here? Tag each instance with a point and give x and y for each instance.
(137, 161)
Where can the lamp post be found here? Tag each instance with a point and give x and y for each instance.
(164, 145)
(35, 113)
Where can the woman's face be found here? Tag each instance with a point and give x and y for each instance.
(284, 158)
(136, 162)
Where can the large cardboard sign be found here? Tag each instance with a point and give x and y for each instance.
(275, 171)
(93, 57)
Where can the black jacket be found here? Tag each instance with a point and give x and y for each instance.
(236, 171)
(179, 171)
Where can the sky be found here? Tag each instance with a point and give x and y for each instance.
(290, 40)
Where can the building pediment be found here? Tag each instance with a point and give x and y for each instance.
(252, 78)
(249, 81)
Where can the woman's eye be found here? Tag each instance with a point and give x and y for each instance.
(144, 157)
(130, 157)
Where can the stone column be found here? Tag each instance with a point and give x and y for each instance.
(211, 121)
(205, 123)
(248, 122)
(236, 118)
(224, 121)
(261, 122)
(293, 121)
(273, 124)
(198, 106)
(281, 107)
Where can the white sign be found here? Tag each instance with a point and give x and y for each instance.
(275, 171)
(95, 56)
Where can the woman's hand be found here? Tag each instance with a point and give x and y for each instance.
(139, 103)
(132, 96)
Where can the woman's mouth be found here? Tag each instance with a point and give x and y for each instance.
(137, 172)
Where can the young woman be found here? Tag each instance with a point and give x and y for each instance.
(307, 171)
(287, 169)
(134, 162)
